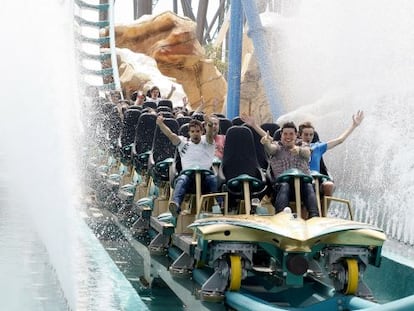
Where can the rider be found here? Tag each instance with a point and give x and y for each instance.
(285, 154)
(197, 151)
(307, 132)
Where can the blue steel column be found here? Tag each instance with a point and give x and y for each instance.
(256, 33)
(235, 54)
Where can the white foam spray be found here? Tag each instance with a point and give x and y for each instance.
(336, 57)
(38, 121)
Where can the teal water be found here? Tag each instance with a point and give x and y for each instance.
(391, 281)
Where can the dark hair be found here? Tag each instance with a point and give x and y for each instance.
(195, 123)
(154, 88)
(289, 125)
(134, 96)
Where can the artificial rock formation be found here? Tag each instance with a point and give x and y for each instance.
(253, 99)
(171, 41)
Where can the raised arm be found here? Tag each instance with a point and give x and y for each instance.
(249, 120)
(266, 141)
(201, 107)
(356, 121)
(171, 92)
(167, 132)
(209, 129)
(185, 102)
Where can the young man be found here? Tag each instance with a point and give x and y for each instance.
(197, 151)
(285, 154)
(306, 133)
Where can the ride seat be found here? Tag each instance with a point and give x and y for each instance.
(225, 124)
(271, 127)
(144, 135)
(129, 124)
(162, 153)
(240, 171)
(150, 104)
(165, 103)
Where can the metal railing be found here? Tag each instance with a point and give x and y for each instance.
(105, 20)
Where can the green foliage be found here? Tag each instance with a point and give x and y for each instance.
(215, 53)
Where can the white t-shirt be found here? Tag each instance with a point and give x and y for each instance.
(193, 155)
(150, 99)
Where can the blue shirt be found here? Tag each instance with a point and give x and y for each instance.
(318, 149)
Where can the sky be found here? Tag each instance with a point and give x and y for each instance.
(124, 8)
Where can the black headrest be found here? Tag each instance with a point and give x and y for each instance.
(129, 125)
(135, 107)
(166, 114)
(166, 103)
(271, 127)
(144, 133)
(260, 153)
(225, 124)
(239, 156)
(315, 137)
(150, 104)
(163, 108)
(277, 134)
(162, 147)
(183, 120)
(183, 131)
(237, 121)
(131, 116)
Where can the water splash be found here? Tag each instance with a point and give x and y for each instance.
(336, 57)
(38, 120)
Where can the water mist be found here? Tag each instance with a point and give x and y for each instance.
(336, 57)
(38, 124)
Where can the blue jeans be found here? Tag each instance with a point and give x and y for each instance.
(183, 184)
(308, 196)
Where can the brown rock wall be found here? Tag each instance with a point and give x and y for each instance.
(171, 41)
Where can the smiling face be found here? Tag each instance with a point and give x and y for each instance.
(155, 92)
(288, 135)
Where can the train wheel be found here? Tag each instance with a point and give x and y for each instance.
(351, 265)
(235, 272)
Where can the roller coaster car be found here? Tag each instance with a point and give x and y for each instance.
(200, 206)
(240, 172)
(292, 251)
(333, 252)
(135, 211)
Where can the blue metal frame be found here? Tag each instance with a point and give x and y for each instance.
(235, 55)
(256, 33)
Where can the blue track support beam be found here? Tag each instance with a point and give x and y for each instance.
(261, 49)
(235, 54)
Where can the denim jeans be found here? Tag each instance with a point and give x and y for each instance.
(308, 196)
(183, 184)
